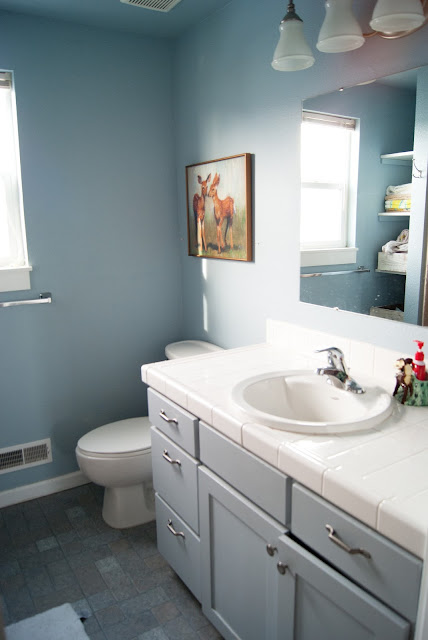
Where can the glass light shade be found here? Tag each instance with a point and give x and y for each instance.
(292, 52)
(393, 16)
(340, 30)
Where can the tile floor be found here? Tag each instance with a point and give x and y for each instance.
(58, 549)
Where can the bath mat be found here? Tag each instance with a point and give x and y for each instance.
(60, 623)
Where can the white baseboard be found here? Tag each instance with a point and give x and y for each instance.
(43, 488)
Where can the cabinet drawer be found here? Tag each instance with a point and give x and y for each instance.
(175, 477)
(179, 546)
(266, 487)
(177, 423)
(390, 573)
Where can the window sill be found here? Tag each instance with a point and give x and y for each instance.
(15, 279)
(325, 257)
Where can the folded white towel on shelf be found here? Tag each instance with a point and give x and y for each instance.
(399, 188)
(399, 197)
(401, 245)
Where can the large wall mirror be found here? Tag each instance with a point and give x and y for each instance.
(364, 187)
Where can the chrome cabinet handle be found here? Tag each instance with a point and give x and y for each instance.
(170, 527)
(271, 549)
(163, 415)
(168, 458)
(282, 568)
(352, 550)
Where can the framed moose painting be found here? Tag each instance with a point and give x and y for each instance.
(219, 208)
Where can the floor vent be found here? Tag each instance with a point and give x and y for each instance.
(25, 455)
(155, 5)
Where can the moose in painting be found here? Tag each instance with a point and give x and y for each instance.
(199, 212)
(223, 210)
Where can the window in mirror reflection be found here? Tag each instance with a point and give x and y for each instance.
(329, 157)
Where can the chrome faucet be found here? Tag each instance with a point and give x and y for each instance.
(337, 371)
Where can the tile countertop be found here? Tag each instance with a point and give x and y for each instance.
(380, 476)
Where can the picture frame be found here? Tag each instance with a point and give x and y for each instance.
(219, 212)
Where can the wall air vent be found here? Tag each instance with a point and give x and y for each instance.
(154, 5)
(25, 455)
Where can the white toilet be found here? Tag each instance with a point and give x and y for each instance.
(117, 456)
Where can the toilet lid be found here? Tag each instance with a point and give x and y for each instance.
(123, 436)
(185, 348)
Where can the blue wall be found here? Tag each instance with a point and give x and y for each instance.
(229, 101)
(96, 139)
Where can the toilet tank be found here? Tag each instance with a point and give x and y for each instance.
(185, 348)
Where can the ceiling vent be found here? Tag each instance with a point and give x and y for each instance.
(25, 455)
(155, 5)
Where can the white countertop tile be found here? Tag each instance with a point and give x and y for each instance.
(148, 367)
(176, 391)
(229, 426)
(200, 406)
(413, 511)
(411, 437)
(400, 479)
(307, 469)
(265, 442)
(155, 379)
(348, 492)
(324, 447)
(369, 457)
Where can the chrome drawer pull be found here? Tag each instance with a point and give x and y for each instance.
(168, 458)
(282, 568)
(271, 549)
(170, 527)
(165, 417)
(353, 551)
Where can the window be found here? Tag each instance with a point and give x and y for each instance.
(14, 267)
(329, 156)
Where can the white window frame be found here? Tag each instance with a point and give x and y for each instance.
(343, 251)
(14, 271)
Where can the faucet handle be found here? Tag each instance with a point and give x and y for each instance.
(335, 350)
(335, 357)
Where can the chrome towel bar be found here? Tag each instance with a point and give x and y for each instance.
(334, 273)
(44, 298)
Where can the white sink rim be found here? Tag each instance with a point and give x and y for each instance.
(375, 405)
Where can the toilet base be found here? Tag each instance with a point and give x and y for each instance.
(125, 507)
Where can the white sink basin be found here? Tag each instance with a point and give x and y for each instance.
(303, 401)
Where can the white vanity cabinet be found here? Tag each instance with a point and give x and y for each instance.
(268, 569)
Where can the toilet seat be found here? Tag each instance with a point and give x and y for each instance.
(113, 457)
(131, 436)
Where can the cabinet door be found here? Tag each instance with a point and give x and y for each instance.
(238, 568)
(328, 605)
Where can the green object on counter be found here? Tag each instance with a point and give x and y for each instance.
(419, 395)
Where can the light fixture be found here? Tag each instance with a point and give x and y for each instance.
(341, 32)
(292, 52)
(394, 16)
